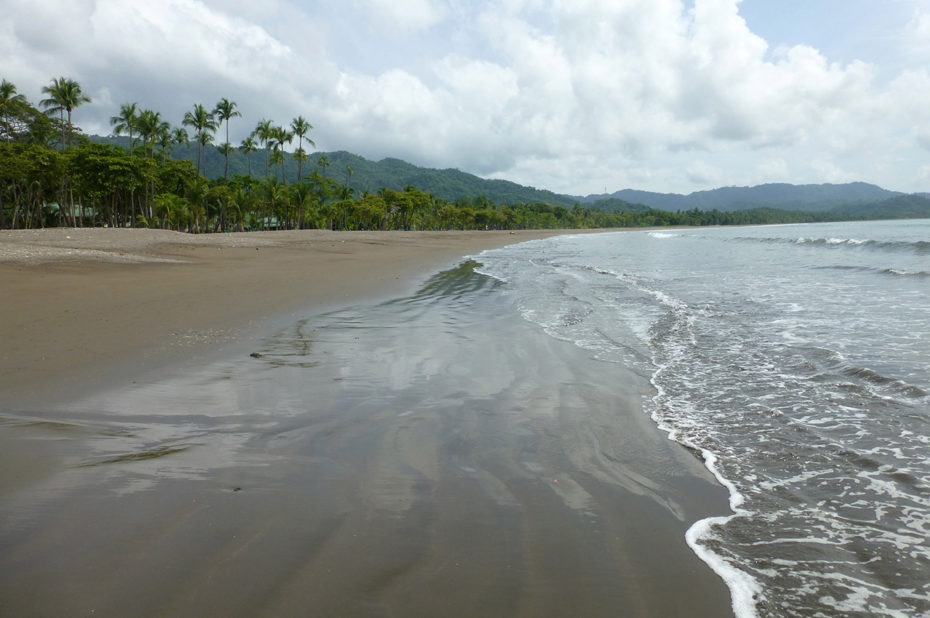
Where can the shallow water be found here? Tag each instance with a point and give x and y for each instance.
(429, 455)
(797, 360)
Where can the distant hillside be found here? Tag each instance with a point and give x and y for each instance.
(774, 195)
(915, 206)
(370, 176)
(614, 204)
(852, 200)
(448, 184)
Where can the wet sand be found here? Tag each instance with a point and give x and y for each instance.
(326, 452)
(82, 309)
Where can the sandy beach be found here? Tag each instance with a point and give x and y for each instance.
(316, 423)
(81, 306)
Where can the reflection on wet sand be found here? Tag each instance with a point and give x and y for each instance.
(433, 455)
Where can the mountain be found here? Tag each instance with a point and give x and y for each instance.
(854, 199)
(914, 206)
(371, 176)
(448, 184)
(773, 195)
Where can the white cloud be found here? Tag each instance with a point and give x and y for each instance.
(830, 171)
(394, 17)
(917, 32)
(775, 169)
(567, 95)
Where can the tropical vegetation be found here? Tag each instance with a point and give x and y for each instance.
(53, 175)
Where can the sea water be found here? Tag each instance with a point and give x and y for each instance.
(795, 360)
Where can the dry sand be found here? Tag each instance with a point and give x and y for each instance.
(471, 467)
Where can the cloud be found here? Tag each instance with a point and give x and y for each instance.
(917, 32)
(566, 95)
(405, 17)
(831, 172)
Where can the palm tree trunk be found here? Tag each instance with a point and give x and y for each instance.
(74, 221)
(199, 149)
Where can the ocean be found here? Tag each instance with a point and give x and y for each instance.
(794, 360)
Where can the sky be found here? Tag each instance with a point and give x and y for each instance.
(574, 96)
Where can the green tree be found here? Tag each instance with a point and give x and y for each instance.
(203, 122)
(179, 136)
(226, 150)
(248, 146)
(281, 136)
(150, 127)
(11, 103)
(173, 210)
(223, 111)
(30, 174)
(221, 196)
(264, 132)
(300, 128)
(126, 121)
(166, 140)
(64, 95)
(273, 196)
(349, 172)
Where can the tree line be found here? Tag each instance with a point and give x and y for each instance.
(52, 175)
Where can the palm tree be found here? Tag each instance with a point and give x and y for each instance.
(165, 140)
(9, 99)
(201, 120)
(263, 131)
(127, 121)
(276, 158)
(64, 94)
(226, 150)
(281, 136)
(204, 139)
(300, 128)
(223, 111)
(179, 136)
(248, 146)
(300, 155)
(348, 189)
(150, 126)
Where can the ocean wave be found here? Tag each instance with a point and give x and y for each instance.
(920, 247)
(663, 235)
(892, 384)
(906, 273)
(894, 272)
(826, 365)
(823, 454)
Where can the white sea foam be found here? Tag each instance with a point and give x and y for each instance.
(757, 359)
(744, 589)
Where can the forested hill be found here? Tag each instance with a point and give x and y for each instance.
(449, 184)
(371, 176)
(856, 199)
(781, 196)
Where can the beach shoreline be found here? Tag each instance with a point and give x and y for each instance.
(442, 470)
(84, 307)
